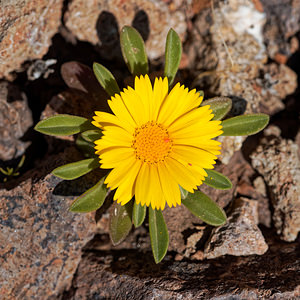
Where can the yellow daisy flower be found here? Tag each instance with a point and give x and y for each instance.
(156, 141)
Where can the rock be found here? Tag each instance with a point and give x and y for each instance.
(233, 59)
(278, 82)
(40, 68)
(228, 48)
(134, 275)
(185, 230)
(283, 19)
(234, 170)
(15, 120)
(297, 140)
(40, 239)
(240, 236)
(264, 212)
(277, 160)
(26, 30)
(101, 21)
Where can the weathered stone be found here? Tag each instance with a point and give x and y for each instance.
(134, 275)
(40, 239)
(278, 82)
(234, 170)
(227, 45)
(100, 22)
(233, 68)
(277, 160)
(240, 235)
(40, 68)
(26, 29)
(183, 226)
(15, 119)
(264, 212)
(283, 19)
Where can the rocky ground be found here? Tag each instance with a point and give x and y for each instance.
(245, 49)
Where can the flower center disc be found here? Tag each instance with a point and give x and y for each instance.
(151, 142)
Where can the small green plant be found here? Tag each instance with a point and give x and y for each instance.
(157, 144)
(12, 172)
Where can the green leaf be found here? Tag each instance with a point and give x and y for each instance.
(158, 234)
(217, 180)
(204, 208)
(91, 200)
(76, 169)
(91, 135)
(120, 222)
(245, 124)
(87, 148)
(63, 125)
(133, 50)
(220, 106)
(106, 79)
(138, 214)
(183, 192)
(172, 55)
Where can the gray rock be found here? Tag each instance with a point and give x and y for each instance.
(240, 236)
(133, 275)
(15, 119)
(228, 48)
(40, 239)
(26, 29)
(277, 160)
(100, 22)
(283, 19)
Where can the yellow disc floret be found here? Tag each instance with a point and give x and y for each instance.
(151, 142)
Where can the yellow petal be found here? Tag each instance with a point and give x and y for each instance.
(142, 186)
(119, 173)
(181, 174)
(143, 88)
(160, 92)
(169, 186)
(193, 155)
(126, 188)
(121, 111)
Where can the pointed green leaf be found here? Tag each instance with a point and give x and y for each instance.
(138, 214)
(87, 148)
(204, 208)
(220, 106)
(133, 50)
(120, 222)
(172, 55)
(245, 124)
(217, 180)
(63, 125)
(76, 169)
(158, 234)
(106, 79)
(91, 200)
(183, 192)
(91, 135)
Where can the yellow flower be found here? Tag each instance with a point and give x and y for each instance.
(155, 142)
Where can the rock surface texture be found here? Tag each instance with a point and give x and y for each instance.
(277, 160)
(232, 57)
(15, 119)
(101, 22)
(26, 29)
(240, 235)
(40, 239)
(134, 275)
